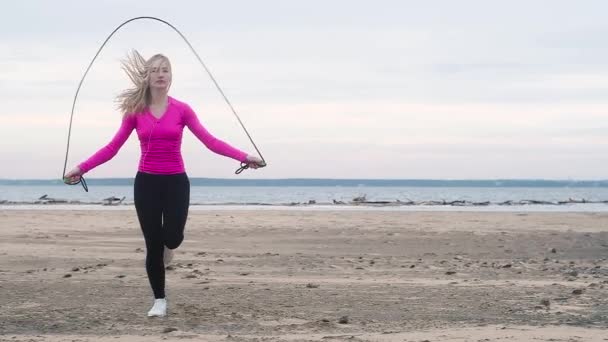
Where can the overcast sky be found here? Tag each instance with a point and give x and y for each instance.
(334, 89)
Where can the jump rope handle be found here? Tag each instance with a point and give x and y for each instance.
(81, 181)
(245, 166)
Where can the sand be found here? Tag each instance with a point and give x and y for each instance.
(309, 276)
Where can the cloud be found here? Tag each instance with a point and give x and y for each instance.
(382, 89)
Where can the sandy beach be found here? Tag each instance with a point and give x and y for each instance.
(309, 276)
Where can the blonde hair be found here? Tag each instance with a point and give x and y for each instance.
(136, 99)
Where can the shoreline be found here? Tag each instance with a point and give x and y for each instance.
(569, 208)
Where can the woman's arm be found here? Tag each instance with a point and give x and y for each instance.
(212, 143)
(109, 151)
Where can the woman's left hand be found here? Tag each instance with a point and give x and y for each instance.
(255, 162)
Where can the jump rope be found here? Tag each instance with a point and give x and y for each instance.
(81, 180)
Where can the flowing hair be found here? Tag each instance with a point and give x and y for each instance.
(135, 100)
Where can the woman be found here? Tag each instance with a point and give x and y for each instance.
(162, 189)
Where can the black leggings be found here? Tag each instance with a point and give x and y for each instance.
(162, 204)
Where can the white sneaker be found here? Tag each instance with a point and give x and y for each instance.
(167, 255)
(159, 309)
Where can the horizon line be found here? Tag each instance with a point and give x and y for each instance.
(340, 179)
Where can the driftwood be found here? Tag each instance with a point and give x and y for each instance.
(570, 200)
(372, 202)
(356, 201)
(536, 202)
(45, 199)
(361, 200)
(481, 203)
(113, 200)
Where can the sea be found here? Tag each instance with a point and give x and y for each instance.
(323, 194)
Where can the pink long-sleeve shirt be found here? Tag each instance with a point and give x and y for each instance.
(161, 140)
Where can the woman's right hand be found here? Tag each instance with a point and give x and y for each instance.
(255, 162)
(73, 176)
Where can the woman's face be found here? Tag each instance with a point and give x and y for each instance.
(160, 74)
